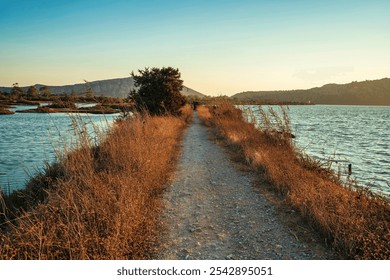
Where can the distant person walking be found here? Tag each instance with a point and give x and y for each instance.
(195, 104)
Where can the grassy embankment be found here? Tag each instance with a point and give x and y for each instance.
(355, 222)
(98, 202)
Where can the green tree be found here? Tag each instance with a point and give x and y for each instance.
(73, 96)
(45, 91)
(16, 91)
(88, 90)
(32, 92)
(89, 94)
(158, 91)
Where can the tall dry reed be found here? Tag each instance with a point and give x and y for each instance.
(100, 201)
(355, 221)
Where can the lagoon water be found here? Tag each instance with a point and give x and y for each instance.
(356, 135)
(28, 140)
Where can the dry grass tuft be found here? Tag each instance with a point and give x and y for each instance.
(99, 202)
(356, 222)
(186, 113)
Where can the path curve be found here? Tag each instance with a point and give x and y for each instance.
(212, 211)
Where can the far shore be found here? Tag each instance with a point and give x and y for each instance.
(64, 107)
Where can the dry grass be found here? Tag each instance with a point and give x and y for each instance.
(355, 222)
(187, 113)
(99, 202)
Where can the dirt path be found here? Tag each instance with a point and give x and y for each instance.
(212, 212)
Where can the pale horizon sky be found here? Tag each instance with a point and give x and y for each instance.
(220, 47)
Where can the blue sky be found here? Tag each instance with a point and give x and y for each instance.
(220, 47)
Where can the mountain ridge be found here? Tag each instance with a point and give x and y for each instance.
(370, 92)
(118, 87)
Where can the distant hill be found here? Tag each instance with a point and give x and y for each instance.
(376, 92)
(190, 92)
(114, 87)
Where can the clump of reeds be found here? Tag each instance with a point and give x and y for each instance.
(355, 221)
(186, 113)
(99, 201)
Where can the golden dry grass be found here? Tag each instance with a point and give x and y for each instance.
(99, 202)
(354, 221)
(187, 113)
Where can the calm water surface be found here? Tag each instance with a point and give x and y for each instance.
(357, 135)
(28, 140)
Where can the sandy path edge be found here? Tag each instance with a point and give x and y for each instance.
(212, 212)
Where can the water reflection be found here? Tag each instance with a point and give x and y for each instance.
(29, 140)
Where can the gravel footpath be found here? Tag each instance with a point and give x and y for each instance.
(212, 211)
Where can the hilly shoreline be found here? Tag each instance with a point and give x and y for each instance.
(119, 87)
(376, 92)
